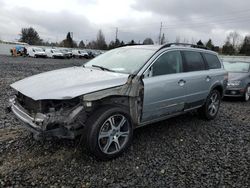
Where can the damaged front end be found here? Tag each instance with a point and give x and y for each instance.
(45, 118)
(65, 118)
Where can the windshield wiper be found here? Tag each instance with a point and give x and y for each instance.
(103, 68)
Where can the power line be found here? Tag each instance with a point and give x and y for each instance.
(160, 33)
(116, 33)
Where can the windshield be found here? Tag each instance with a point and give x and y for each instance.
(38, 49)
(56, 51)
(123, 60)
(237, 66)
(65, 50)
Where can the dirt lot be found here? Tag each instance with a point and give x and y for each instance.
(180, 152)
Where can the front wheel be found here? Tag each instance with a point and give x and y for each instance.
(211, 107)
(109, 132)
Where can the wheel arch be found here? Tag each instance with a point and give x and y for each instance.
(219, 88)
(131, 104)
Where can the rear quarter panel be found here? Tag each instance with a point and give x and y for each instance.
(219, 78)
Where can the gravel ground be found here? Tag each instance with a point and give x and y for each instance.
(180, 152)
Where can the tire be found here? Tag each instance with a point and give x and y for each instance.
(104, 138)
(246, 96)
(211, 107)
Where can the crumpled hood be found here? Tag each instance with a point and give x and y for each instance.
(68, 83)
(237, 76)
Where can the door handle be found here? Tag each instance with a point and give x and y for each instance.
(181, 82)
(208, 78)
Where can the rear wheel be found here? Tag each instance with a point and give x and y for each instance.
(211, 107)
(109, 132)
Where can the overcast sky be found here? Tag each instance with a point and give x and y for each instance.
(190, 20)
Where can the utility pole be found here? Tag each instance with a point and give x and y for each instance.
(160, 33)
(116, 34)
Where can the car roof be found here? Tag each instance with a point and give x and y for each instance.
(172, 46)
(235, 61)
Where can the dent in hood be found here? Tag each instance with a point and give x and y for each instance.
(68, 83)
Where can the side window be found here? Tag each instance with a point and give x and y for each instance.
(194, 61)
(168, 63)
(212, 61)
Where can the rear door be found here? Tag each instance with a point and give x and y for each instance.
(197, 78)
(164, 86)
(215, 71)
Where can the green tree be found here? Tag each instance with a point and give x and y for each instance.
(30, 36)
(245, 48)
(81, 44)
(148, 41)
(111, 45)
(115, 44)
(210, 45)
(100, 41)
(200, 43)
(132, 42)
(68, 42)
(91, 45)
(228, 48)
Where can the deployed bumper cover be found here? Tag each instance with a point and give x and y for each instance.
(40, 124)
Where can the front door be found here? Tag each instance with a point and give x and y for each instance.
(164, 87)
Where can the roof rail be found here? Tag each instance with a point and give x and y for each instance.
(184, 44)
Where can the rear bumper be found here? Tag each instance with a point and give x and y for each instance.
(39, 124)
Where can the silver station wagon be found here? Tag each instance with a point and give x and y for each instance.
(125, 88)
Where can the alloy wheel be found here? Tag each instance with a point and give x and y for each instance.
(114, 134)
(214, 104)
(247, 94)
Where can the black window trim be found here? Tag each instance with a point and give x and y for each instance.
(156, 58)
(185, 66)
(203, 55)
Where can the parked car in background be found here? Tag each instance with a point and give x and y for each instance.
(36, 52)
(238, 79)
(123, 89)
(54, 53)
(67, 53)
(18, 50)
(80, 54)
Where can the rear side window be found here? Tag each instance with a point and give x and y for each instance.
(194, 61)
(212, 61)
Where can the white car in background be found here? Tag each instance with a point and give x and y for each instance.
(80, 53)
(36, 52)
(54, 53)
(67, 53)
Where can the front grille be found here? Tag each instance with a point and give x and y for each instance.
(29, 104)
(233, 92)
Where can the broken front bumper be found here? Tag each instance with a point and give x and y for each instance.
(39, 124)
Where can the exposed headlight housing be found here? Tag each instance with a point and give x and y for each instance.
(234, 83)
